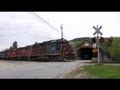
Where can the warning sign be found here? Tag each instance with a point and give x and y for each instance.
(94, 50)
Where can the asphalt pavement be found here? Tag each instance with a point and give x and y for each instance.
(35, 70)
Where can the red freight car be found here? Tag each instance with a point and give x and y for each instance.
(24, 53)
(10, 54)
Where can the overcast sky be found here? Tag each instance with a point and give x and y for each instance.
(27, 29)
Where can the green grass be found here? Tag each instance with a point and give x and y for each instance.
(103, 71)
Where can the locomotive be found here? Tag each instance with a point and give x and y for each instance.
(53, 50)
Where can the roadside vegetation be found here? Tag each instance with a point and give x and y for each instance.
(115, 49)
(103, 71)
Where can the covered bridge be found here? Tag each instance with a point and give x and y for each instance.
(84, 51)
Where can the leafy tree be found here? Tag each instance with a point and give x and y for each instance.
(115, 49)
(109, 42)
(14, 45)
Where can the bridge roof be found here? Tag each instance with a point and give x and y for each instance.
(85, 44)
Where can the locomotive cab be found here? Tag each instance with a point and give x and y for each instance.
(66, 50)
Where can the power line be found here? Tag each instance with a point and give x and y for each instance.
(43, 20)
(40, 18)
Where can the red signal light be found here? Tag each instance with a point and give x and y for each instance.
(101, 40)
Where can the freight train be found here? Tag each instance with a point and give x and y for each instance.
(57, 50)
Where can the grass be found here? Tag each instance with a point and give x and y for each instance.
(103, 71)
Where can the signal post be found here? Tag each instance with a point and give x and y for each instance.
(97, 32)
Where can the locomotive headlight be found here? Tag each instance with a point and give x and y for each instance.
(73, 52)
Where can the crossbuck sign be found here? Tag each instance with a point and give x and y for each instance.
(97, 30)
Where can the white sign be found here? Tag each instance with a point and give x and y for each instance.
(94, 45)
(86, 44)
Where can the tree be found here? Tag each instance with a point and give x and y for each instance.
(115, 49)
(14, 45)
(109, 42)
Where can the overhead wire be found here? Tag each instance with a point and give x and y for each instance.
(43, 20)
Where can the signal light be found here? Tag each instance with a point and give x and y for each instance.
(93, 40)
(101, 40)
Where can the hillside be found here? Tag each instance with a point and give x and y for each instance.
(77, 41)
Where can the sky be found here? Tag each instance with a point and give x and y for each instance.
(26, 28)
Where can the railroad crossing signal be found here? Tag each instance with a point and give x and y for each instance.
(97, 30)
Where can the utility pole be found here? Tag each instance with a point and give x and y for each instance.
(61, 31)
(98, 47)
(62, 47)
(97, 32)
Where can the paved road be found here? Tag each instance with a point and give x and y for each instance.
(35, 70)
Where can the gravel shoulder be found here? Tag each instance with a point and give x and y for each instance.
(77, 72)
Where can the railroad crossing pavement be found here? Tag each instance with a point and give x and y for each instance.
(36, 70)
